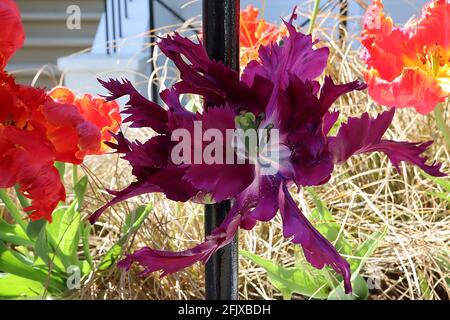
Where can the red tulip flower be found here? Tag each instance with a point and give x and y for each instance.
(12, 35)
(408, 66)
(37, 129)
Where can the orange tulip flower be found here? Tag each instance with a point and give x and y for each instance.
(408, 66)
(105, 115)
(255, 32)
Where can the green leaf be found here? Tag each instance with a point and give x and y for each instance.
(14, 287)
(325, 223)
(135, 220)
(14, 263)
(24, 202)
(13, 233)
(61, 167)
(441, 195)
(41, 248)
(360, 291)
(110, 257)
(306, 281)
(85, 267)
(69, 236)
(80, 190)
(443, 183)
(365, 250)
(427, 292)
(12, 209)
(34, 228)
(85, 239)
(131, 224)
(53, 228)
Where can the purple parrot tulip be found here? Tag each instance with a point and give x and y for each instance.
(277, 95)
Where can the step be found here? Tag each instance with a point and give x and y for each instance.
(60, 6)
(71, 42)
(43, 50)
(57, 27)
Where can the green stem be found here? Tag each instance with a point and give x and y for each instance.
(23, 201)
(74, 175)
(442, 126)
(312, 20)
(12, 209)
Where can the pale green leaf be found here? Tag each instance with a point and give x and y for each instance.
(307, 281)
(14, 287)
(365, 250)
(360, 291)
(13, 233)
(110, 258)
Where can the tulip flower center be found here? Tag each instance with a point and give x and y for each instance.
(435, 59)
(257, 144)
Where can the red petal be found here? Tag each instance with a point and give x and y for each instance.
(413, 88)
(12, 35)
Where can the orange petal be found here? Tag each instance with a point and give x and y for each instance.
(71, 134)
(433, 27)
(255, 32)
(103, 114)
(413, 88)
(62, 95)
(385, 45)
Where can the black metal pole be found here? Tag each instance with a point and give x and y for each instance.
(107, 27)
(343, 12)
(221, 39)
(151, 7)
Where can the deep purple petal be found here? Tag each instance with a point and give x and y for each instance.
(409, 152)
(311, 161)
(171, 262)
(214, 81)
(363, 135)
(262, 198)
(122, 145)
(329, 120)
(330, 92)
(134, 189)
(296, 106)
(221, 180)
(296, 56)
(151, 165)
(318, 250)
(142, 112)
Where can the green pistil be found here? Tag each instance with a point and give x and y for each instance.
(246, 120)
(268, 128)
(435, 65)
